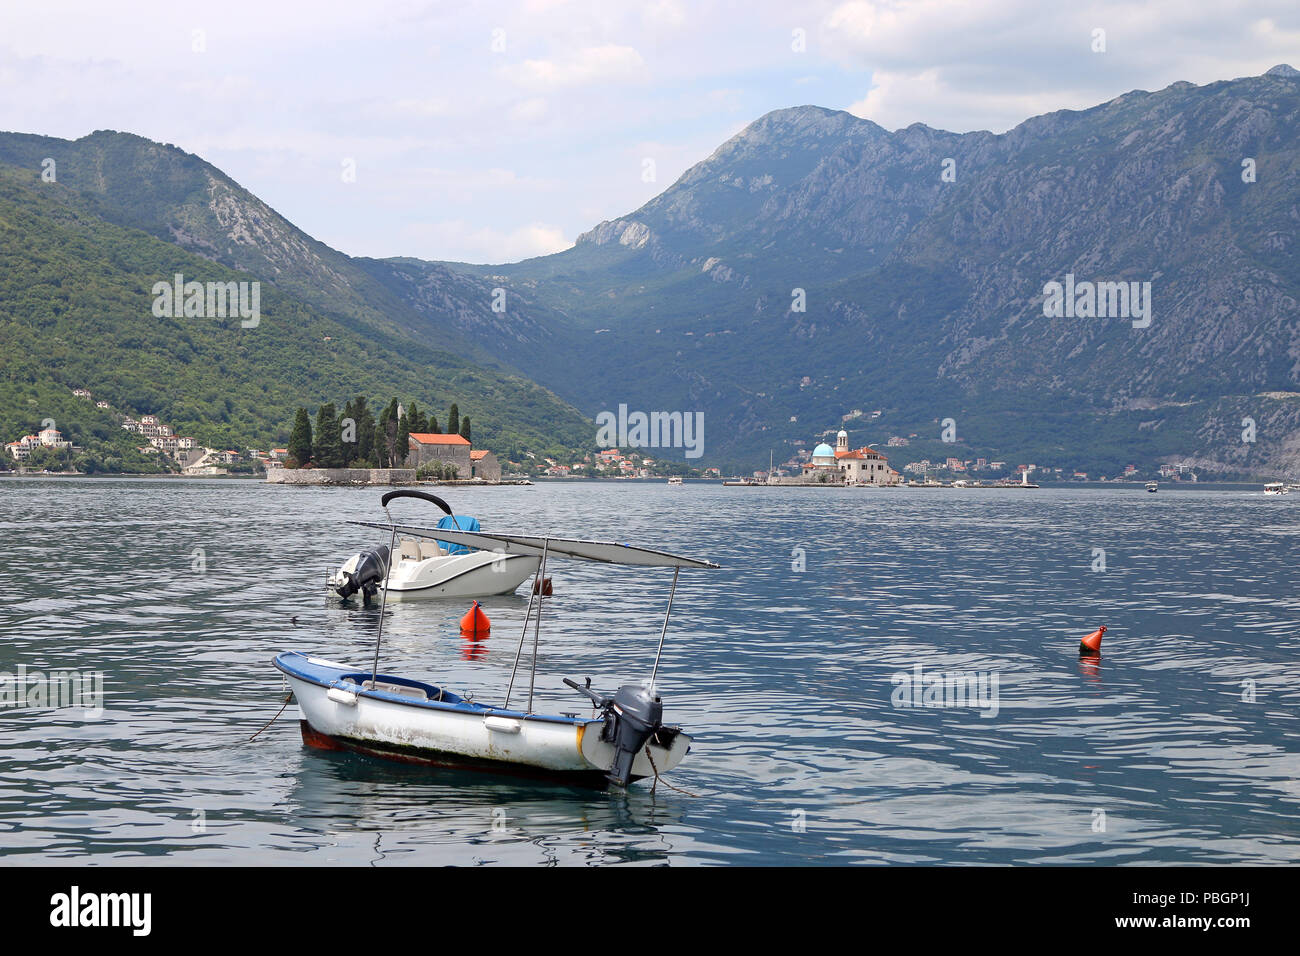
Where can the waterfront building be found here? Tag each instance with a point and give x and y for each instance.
(849, 466)
(484, 464)
(426, 447)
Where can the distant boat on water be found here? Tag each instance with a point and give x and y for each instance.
(1153, 486)
(419, 566)
(1275, 488)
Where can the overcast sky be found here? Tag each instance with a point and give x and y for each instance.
(494, 131)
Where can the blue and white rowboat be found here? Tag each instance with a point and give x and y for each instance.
(408, 720)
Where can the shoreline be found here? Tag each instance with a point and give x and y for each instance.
(1229, 485)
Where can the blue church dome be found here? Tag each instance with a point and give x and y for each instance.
(823, 451)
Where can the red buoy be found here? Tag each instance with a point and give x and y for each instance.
(475, 622)
(1092, 643)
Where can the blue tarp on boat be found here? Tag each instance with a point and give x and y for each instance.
(457, 523)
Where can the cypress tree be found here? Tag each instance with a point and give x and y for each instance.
(415, 420)
(453, 420)
(381, 443)
(349, 447)
(329, 442)
(386, 435)
(401, 444)
(365, 430)
(300, 439)
(464, 428)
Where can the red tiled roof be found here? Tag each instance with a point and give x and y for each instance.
(477, 455)
(863, 452)
(428, 438)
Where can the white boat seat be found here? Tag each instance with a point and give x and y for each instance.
(410, 550)
(430, 549)
(400, 689)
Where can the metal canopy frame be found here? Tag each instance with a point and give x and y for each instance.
(579, 549)
(604, 552)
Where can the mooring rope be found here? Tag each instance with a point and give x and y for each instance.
(287, 697)
(659, 779)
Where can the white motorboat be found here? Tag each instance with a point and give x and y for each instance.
(430, 567)
(1153, 486)
(355, 709)
(675, 480)
(1275, 488)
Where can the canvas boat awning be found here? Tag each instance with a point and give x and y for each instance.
(607, 552)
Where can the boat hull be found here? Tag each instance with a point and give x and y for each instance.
(589, 778)
(405, 720)
(477, 574)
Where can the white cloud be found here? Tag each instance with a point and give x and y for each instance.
(991, 64)
(531, 110)
(459, 240)
(664, 13)
(597, 64)
(429, 106)
(897, 100)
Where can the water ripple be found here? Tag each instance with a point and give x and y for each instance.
(1179, 745)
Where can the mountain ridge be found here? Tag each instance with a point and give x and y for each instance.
(1147, 185)
(816, 263)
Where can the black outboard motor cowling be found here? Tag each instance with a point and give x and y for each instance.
(372, 567)
(631, 720)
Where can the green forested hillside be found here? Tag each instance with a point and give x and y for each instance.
(75, 311)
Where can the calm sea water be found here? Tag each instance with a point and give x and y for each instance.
(181, 592)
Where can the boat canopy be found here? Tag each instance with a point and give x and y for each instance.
(458, 523)
(607, 552)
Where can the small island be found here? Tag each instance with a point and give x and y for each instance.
(401, 447)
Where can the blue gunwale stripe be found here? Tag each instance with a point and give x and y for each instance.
(328, 677)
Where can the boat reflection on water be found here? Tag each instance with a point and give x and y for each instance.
(429, 815)
(473, 646)
(1090, 667)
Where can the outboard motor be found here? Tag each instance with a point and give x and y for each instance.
(632, 716)
(372, 566)
(630, 721)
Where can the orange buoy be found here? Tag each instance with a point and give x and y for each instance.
(1092, 643)
(545, 587)
(475, 621)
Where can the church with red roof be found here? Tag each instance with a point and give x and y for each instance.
(850, 466)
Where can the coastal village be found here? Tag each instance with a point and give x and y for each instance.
(51, 437)
(159, 438)
(191, 458)
(452, 457)
(188, 456)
